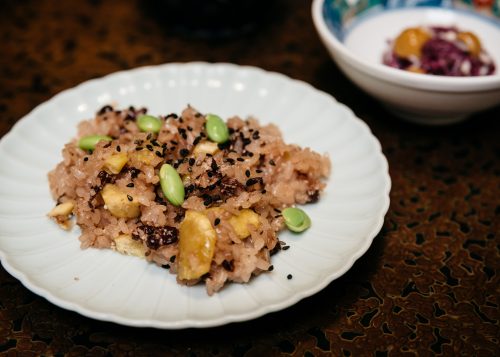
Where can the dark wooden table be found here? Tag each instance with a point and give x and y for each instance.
(429, 284)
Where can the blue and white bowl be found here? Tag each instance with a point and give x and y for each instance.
(356, 32)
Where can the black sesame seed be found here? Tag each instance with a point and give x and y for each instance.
(258, 171)
(277, 210)
(130, 198)
(149, 147)
(207, 201)
(228, 265)
(289, 276)
(272, 163)
(107, 145)
(134, 172)
(271, 268)
(172, 259)
(118, 148)
(159, 154)
(191, 161)
(138, 148)
(247, 173)
(263, 191)
(255, 135)
(85, 159)
(223, 146)
(189, 128)
(252, 181)
(174, 142)
(286, 247)
(166, 266)
(130, 184)
(217, 221)
(240, 159)
(210, 174)
(184, 152)
(105, 109)
(196, 140)
(149, 136)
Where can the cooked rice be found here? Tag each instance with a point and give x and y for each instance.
(255, 169)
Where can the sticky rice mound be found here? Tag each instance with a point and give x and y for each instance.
(240, 186)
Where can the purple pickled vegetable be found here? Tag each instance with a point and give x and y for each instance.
(443, 55)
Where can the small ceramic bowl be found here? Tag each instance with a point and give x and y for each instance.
(356, 33)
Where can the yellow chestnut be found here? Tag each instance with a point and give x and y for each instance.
(472, 42)
(410, 42)
(197, 240)
(119, 203)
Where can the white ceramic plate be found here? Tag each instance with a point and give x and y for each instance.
(104, 285)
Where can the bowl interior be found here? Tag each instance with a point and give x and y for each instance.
(365, 26)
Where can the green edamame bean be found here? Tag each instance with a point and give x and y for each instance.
(296, 219)
(149, 123)
(171, 185)
(90, 141)
(217, 130)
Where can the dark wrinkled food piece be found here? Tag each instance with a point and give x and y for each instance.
(155, 237)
